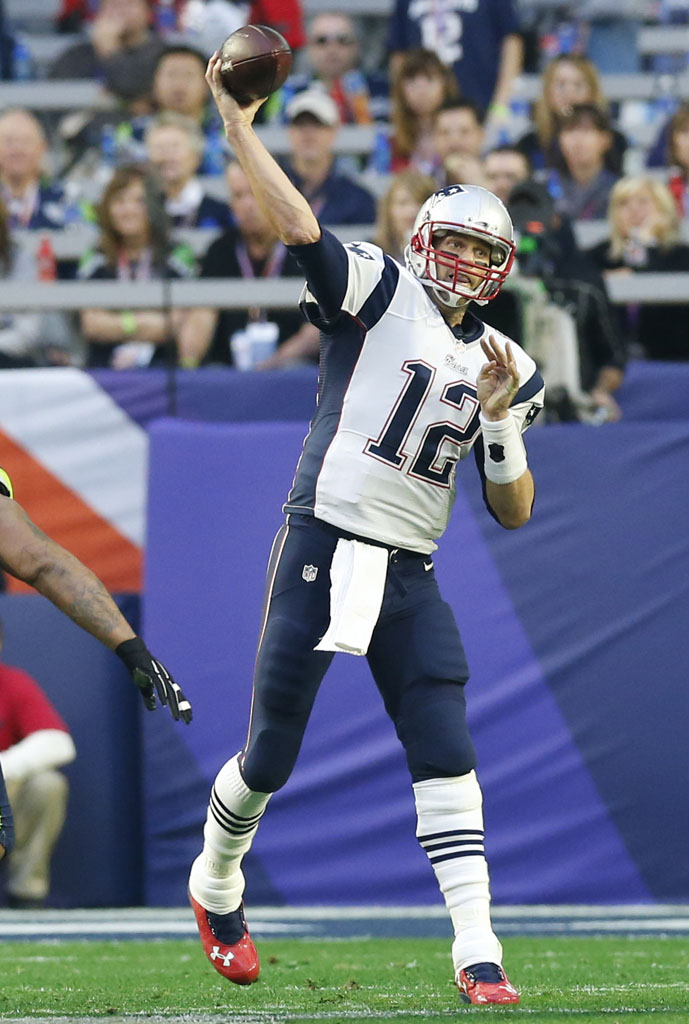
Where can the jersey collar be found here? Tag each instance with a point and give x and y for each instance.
(470, 329)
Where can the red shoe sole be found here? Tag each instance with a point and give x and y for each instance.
(239, 962)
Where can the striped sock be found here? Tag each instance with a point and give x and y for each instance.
(450, 830)
(234, 813)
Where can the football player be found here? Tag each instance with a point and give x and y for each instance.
(410, 382)
(29, 555)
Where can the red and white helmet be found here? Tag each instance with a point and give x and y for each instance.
(467, 210)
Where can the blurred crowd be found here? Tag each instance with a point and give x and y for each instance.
(436, 90)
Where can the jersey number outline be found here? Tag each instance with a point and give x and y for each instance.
(432, 461)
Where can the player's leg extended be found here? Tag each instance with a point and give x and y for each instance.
(419, 665)
(287, 676)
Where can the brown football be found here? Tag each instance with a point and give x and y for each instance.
(255, 61)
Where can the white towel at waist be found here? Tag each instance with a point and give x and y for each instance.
(357, 583)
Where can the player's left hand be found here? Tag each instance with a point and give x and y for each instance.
(498, 379)
(151, 676)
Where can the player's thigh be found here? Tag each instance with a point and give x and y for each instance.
(288, 670)
(419, 665)
(296, 615)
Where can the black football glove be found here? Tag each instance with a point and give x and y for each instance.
(151, 676)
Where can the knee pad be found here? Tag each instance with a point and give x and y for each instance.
(432, 726)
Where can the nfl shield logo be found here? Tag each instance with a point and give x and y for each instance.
(309, 573)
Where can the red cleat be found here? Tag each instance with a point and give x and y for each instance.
(485, 983)
(227, 944)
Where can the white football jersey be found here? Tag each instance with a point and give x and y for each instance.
(397, 401)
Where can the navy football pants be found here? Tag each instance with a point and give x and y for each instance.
(416, 658)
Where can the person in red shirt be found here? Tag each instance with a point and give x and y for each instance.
(33, 737)
(34, 743)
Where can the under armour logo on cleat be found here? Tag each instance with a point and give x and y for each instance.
(309, 573)
(226, 958)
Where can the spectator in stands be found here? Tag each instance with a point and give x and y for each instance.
(678, 158)
(248, 251)
(334, 64)
(335, 198)
(458, 140)
(121, 52)
(567, 81)
(19, 331)
(503, 168)
(644, 236)
(34, 744)
(397, 210)
(175, 145)
(590, 366)
(32, 201)
(421, 85)
(582, 188)
(179, 85)
(97, 141)
(134, 246)
(480, 42)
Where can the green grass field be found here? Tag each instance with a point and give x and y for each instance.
(596, 979)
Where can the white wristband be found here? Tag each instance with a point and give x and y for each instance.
(505, 455)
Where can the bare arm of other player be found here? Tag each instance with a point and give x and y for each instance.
(282, 204)
(30, 555)
(497, 384)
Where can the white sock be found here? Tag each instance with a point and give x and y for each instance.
(450, 830)
(234, 813)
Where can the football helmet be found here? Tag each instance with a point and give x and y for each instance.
(467, 210)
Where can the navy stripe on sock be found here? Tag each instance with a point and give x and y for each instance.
(449, 843)
(459, 853)
(453, 832)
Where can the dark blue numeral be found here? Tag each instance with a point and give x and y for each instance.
(388, 447)
(463, 397)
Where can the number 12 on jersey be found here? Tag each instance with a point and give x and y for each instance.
(429, 462)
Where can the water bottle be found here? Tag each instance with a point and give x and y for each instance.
(22, 62)
(46, 264)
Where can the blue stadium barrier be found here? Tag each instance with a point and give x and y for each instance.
(577, 701)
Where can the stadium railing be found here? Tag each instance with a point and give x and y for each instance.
(72, 243)
(667, 289)
(67, 94)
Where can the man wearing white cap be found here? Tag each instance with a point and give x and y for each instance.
(334, 198)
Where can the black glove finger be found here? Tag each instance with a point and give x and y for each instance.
(180, 702)
(143, 682)
(161, 678)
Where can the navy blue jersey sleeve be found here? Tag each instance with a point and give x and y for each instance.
(326, 269)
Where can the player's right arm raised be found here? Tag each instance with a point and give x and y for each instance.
(282, 204)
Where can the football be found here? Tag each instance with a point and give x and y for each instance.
(255, 61)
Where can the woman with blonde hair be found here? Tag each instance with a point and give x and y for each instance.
(421, 84)
(397, 210)
(644, 236)
(567, 81)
